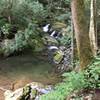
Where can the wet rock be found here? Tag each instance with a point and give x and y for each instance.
(61, 58)
(10, 95)
(31, 91)
(58, 56)
(64, 63)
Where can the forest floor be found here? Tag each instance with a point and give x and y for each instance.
(17, 71)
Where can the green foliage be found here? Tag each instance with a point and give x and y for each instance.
(88, 79)
(65, 40)
(5, 28)
(8, 47)
(24, 12)
(17, 44)
(20, 41)
(72, 81)
(29, 38)
(65, 17)
(21, 12)
(93, 74)
(36, 11)
(3, 21)
(67, 1)
(34, 37)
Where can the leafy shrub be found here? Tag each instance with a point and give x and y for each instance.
(3, 21)
(64, 17)
(8, 47)
(5, 28)
(34, 37)
(88, 79)
(72, 81)
(20, 41)
(65, 40)
(23, 39)
(17, 44)
(92, 74)
(21, 12)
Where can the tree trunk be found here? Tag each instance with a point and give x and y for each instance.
(81, 33)
(92, 30)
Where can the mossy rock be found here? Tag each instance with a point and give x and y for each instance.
(58, 56)
(48, 40)
(30, 92)
(33, 94)
(36, 45)
(26, 90)
(59, 25)
(26, 93)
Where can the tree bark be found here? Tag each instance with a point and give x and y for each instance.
(92, 30)
(81, 33)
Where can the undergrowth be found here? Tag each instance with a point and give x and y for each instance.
(87, 79)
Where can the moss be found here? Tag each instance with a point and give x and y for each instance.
(26, 93)
(26, 90)
(58, 56)
(33, 93)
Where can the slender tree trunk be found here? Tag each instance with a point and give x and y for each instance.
(81, 33)
(8, 10)
(72, 44)
(92, 30)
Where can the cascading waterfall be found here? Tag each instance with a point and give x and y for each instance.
(59, 55)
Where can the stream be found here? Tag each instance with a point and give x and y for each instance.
(17, 71)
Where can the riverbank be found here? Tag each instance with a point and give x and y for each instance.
(17, 71)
